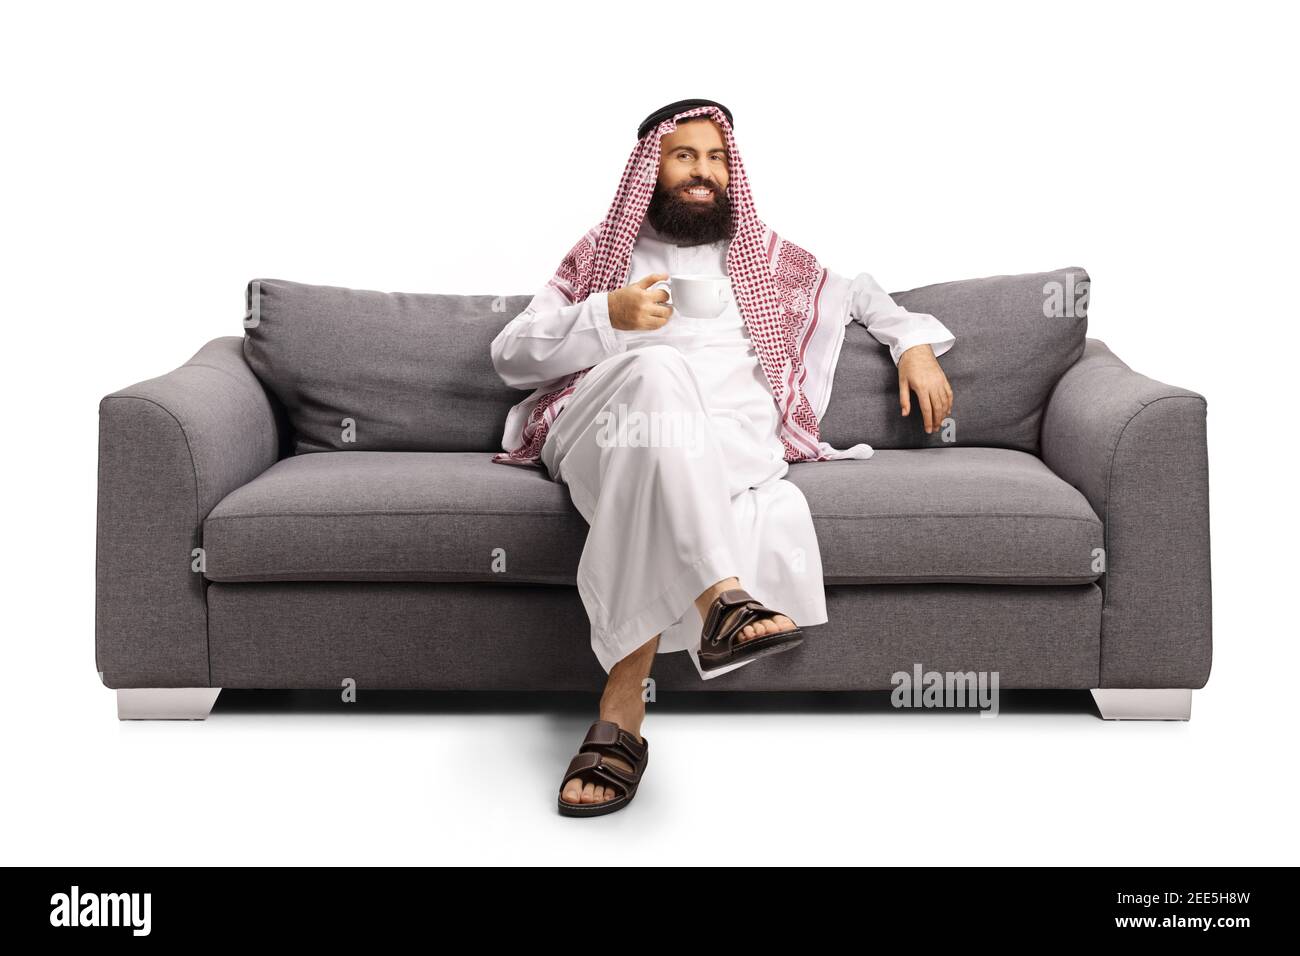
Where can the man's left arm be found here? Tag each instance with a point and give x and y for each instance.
(915, 341)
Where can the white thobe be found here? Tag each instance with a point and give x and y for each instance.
(680, 513)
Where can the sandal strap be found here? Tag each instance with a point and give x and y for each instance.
(607, 738)
(585, 766)
(741, 609)
(728, 598)
(609, 734)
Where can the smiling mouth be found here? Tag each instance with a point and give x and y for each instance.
(699, 192)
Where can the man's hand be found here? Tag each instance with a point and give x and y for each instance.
(919, 371)
(636, 307)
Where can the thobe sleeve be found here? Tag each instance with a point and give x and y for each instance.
(890, 323)
(553, 337)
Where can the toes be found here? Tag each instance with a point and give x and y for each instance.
(771, 625)
(575, 791)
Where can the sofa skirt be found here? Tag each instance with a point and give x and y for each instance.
(423, 636)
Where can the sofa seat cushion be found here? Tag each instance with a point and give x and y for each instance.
(395, 516)
(974, 515)
(954, 515)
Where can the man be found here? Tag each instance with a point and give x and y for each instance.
(697, 542)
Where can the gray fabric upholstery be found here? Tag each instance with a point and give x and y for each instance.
(396, 516)
(502, 637)
(1007, 357)
(1137, 449)
(926, 550)
(973, 515)
(950, 514)
(169, 449)
(412, 371)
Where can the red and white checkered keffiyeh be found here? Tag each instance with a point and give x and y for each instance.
(775, 282)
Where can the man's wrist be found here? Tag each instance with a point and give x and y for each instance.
(904, 352)
(609, 337)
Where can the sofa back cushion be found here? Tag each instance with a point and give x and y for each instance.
(381, 371)
(1016, 335)
(360, 370)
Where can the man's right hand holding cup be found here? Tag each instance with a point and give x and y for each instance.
(637, 307)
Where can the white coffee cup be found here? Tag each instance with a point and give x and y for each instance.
(698, 296)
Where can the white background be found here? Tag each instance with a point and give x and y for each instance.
(157, 157)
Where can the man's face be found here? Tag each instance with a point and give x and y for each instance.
(690, 203)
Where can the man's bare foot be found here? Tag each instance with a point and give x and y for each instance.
(772, 625)
(623, 704)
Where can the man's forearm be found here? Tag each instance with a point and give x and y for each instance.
(891, 324)
(546, 342)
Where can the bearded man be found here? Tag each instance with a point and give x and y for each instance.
(696, 542)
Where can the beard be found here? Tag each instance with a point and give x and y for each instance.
(690, 222)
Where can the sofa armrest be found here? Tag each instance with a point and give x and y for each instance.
(170, 448)
(1136, 448)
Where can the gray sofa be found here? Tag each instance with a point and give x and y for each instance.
(315, 502)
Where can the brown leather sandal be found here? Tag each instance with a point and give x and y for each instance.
(728, 614)
(605, 737)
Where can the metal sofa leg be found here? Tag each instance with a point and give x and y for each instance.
(166, 703)
(1144, 703)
